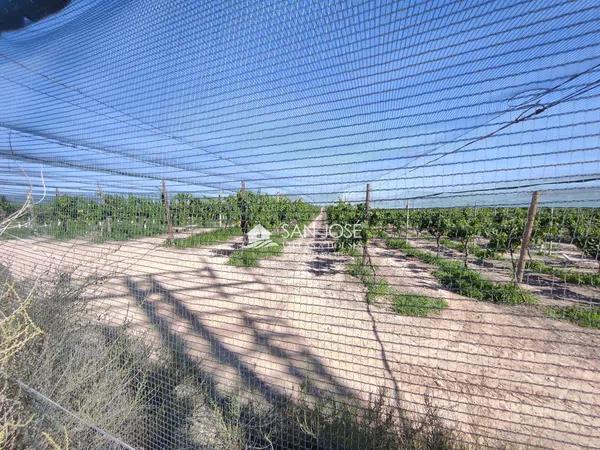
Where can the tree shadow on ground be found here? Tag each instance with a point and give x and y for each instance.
(320, 266)
(301, 366)
(563, 293)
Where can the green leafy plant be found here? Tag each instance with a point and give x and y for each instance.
(465, 225)
(439, 225)
(456, 277)
(417, 305)
(569, 276)
(379, 288)
(474, 249)
(580, 315)
(470, 283)
(250, 256)
(586, 235)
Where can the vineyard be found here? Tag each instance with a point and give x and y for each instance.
(468, 247)
(112, 217)
(488, 239)
(497, 230)
(389, 267)
(367, 225)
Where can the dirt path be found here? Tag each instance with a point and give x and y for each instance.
(491, 371)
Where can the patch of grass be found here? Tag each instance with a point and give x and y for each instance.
(250, 256)
(123, 230)
(396, 243)
(357, 269)
(98, 372)
(579, 315)
(118, 230)
(70, 231)
(376, 287)
(18, 233)
(202, 239)
(458, 278)
(404, 304)
(417, 305)
(330, 423)
(569, 276)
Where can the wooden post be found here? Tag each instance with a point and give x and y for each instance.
(551, 227)
(244, 223)
(99, 193)
(31, 207)
(165, 196)
(220, 213)
(366, 219)
(527, 235)
(407, 221)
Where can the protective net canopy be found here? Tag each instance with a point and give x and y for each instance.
(473, 101)
(269, 224)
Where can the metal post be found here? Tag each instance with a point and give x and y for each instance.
(527, 235)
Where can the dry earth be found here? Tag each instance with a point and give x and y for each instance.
(493, 371)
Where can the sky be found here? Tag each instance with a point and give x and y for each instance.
(432, 103)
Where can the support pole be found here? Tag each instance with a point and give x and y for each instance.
(243, 205)
(165, 196)
(527, 235)
(366, 230)
(220, 213)
(407, 221)
(31, 207)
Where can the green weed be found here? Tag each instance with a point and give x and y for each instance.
(250, 257)
(458, 278)
(417, 305)
(569, 276)
(405, 304)
(580, 315)
(467, 282)
(376, 287)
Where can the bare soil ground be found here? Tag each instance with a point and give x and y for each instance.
(493, 371)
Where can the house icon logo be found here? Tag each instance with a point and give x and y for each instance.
(259, 237)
